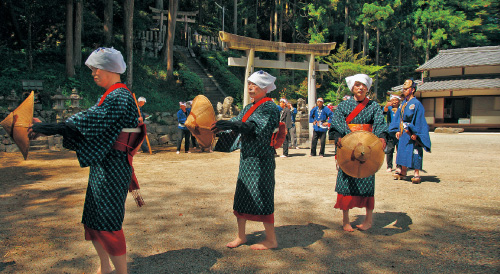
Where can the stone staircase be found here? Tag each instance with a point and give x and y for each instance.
(212, 89)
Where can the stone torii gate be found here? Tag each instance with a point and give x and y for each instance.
(250, 45)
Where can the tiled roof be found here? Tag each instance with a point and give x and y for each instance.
(464, 57)
(454, 85)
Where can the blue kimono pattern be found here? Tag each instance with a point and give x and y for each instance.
(323, 115)
(182, 117)
(255, 186)
(110, 172)
(371, 114)
(410, 154)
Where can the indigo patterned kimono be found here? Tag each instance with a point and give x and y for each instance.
(410, 153)
(110, 172)
(371, 114)
(255, 186)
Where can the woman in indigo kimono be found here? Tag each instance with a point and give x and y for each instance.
(254, 196)
(412, 131)
(357, 192)
(93, 134)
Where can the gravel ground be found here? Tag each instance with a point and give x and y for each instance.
(447, 224)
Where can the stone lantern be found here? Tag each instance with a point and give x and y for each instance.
(13, 100)
(59, 101)
(75, 101)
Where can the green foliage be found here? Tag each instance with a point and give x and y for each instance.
(189, 81)
(216, 63)
(342, 64)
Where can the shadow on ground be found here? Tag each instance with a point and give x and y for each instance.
(292, 235)
(387, 223)
(177, 261)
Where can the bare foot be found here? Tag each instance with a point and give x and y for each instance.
(348, 228)
(364, 226)
(264, 245)
(237, 242)
(104, 270)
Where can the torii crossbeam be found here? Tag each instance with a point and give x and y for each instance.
(250, 45)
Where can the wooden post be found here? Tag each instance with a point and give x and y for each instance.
(248, 71)
(311, 93)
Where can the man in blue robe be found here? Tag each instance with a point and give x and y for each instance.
(411, 129)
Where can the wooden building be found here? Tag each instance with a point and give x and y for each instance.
(461, 89)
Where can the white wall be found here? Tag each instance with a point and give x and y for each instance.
(485, 110)
(428, 104)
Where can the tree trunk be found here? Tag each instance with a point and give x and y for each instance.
(200, 13)
(276, 3)
(129, 39)
(30, 48)
(70, 69)
(376, 63)
(78, 33)
(167, 53)
(399, 61)
(428, 43)
(346, 21)
(108, 23)
(13, 19)
(281, 22)
(159, 4)
(365, 41)
(235, 17)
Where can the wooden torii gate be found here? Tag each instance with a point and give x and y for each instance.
(250, 45)
(183, 16)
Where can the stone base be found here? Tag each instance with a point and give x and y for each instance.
(448, 130)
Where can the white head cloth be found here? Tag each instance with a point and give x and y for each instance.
(108, 59)
(141, 99)
(284, 100)
(182, 103)
(320, 99)
(362, 78)
(263, 80)
(395, 97)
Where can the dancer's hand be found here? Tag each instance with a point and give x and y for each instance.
(32, 135)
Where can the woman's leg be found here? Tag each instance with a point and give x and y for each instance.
(105, 266)
(346, 224)
(242, 237)
(270, 241)
(120, 263)
(367, 224)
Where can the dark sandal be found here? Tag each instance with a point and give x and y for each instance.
(416, 180)
(399, 176)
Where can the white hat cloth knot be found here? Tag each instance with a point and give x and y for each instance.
(395, 97)
(108, 59)
(263, 80)
(362, 78)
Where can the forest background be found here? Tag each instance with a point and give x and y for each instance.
(388, 39)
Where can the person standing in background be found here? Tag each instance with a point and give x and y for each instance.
(184, 133)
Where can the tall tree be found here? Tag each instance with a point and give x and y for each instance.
(78, 33)
(167, 53)
(108, 23)
(128, 7)
(70, 68)
(235, 16)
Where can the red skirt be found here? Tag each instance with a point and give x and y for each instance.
(257, 218)
(112, 241)
(348, 202)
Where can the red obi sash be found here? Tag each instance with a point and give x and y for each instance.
(130, 142)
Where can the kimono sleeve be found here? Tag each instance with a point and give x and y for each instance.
(420, 128)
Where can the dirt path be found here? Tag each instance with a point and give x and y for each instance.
(447, 224)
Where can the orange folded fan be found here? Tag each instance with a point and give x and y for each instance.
(17, 122)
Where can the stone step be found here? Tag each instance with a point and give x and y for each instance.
(43, 147)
